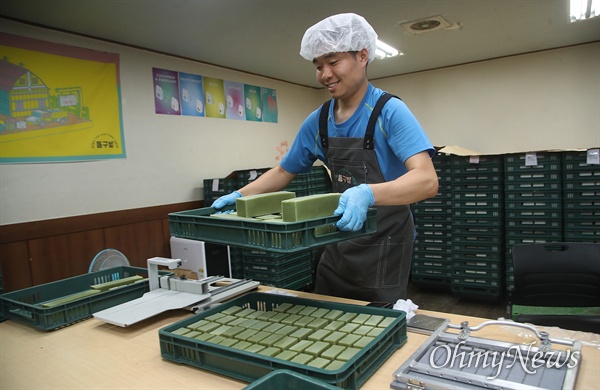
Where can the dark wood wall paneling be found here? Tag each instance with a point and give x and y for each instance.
(33, 253)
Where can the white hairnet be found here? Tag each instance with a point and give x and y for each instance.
(339, 33)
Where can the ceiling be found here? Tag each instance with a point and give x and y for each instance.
(263, 36)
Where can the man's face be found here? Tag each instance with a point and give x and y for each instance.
(342, 73)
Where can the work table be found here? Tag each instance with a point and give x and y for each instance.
(96, 355)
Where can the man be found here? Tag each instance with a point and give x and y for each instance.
(388, 166)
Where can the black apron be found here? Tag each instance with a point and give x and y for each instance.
(374, 267)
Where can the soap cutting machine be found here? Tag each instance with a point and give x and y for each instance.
(171, 292)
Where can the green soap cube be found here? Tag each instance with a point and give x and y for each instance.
(334, 314)
(291, 319)
(198, 324)
(181, 331)
(286, 355)
(300, 346)
(317, 348)
(255, 348)
(374, 320)
(283, 307)
(273, 327)
(237, 322)
(301, 333)
(318, 334)
(227, 342)
(194, 334)
(347, 317)
(261, 204)
(209, 327)
(302, 358)
(217, 339)
(226, 319)
(317, 323)
(332, 352)
(363, 341)
(220, 330)
(321, 313)
(270, 340)
(319, 362)
(348, 354)
(258, 336)
(335, 365)
(334, 337)
(295, 309)
(232, 310)
(202, 336)
(248, 323)
(254, 315)
(303, 321)
(334, 325)
(363, 330)
(309, 207)
(286, 330)
(375, 332)
(266, 315)
(241, 344)
(270, 351)
(348, 328)
(308, 310)
(259, 325)
(285, 342)
(387, 321)
(361, 318)
(245, 312)
(278, 317)
(214, 317)
(349, 340)
(233, 331)
(246, 334)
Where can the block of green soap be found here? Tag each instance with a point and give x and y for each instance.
(347, 317)
(300, 346)
(270, 351)
(226, 342)
(301, 333)
(201, 336)
(374, 320)
(386, 322)
(317, 348)
(361, 318)
(181, 331)
(375, 332)
(308, 310)
(116, 283)
(261, 204)
(332, 352)
(245, 335)
(295, 309)
(70, 298)
(363, 342)
(291, 319)
(283, 307)
(335, 365)
(318, 334)
(232, 310)
(269, 341)
(285, 342)
(334, 337)
(273, 327)
(334, 325)
(321, 313)
(241, 345)
(286, 355)
(348, 354)
(302, 358)
(349, 340)
(286, 330)
(309, 207)
(334, 314)
(217, 339)
(258, 336)
(319, 362)
(220, 330)
(363, 330)
(348, 328)
(254, 348)
(317, 323)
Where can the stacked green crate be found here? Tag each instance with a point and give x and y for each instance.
(431, 261)
(581, 196)
(290, 271)
(477, 226)
(533, 205)
(317, 181)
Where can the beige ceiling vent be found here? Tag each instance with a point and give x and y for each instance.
(425, 25)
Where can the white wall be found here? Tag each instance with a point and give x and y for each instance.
(541, 101)
(548, 100)
(167, 156)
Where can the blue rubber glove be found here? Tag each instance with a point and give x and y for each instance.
(353, 207)
(226, 200)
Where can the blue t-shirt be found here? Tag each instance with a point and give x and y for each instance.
(398, 136)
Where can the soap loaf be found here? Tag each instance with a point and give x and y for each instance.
(261, 204)
(309, 207)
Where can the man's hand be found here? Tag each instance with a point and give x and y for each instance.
(353, 207)
(226, 200)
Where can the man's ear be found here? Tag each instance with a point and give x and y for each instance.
(363, 55)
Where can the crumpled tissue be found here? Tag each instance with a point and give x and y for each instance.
(406, 306)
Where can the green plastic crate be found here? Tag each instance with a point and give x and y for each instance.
(247, 366)
(282, 237)
(24, 305)
(288, 380)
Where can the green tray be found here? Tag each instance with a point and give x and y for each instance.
(248, 366)
(283, 237)
(288, 380)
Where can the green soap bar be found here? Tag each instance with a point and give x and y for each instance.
(266, 315)
(214, 317)
(245, 312)
(301, 333)
(270, 351)
(317, 348)
(317, 323)
(258, 336)
(258, 325)
(273, 327)
(363, 341)
(321, 313)
(286, 330)
(332, 352)
(269, 341)
(209, 327)
(319, 362)
(285, 342)
(227, 342)
(347, 317)
(334, 337)
(116, 283)
(202, 336)
(70, 298)
(248, 323)
(375, 332)
(237, 322)
(360, 319)
(302, 358)
(334, 325)
(291, 319)
(303, 321)
(220, 330)
(309, 207)
(349, 340)
(246, 334)
(226, 319)
(181, 331)
(318, 334)
(335, 365)
(308, 310)
(286, 355)
(233, 331)
(348, 354)
(193, 334)
(363, 330)
(300, 346)
(261, 204)
(295, 309)
(283, 307)
(217, 339)
(348, 328)
(241, 345)
(254, 348)
(386, 322)
(198, 324)
(232, 310)
(374, 320)
(334, 314)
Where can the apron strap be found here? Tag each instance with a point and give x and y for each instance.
(369, 143)
(323, 124)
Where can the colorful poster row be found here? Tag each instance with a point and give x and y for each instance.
(179, 93)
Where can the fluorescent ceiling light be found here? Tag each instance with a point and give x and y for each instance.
(384, 50)
(584, 9)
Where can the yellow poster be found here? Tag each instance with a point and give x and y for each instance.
(58, 103)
